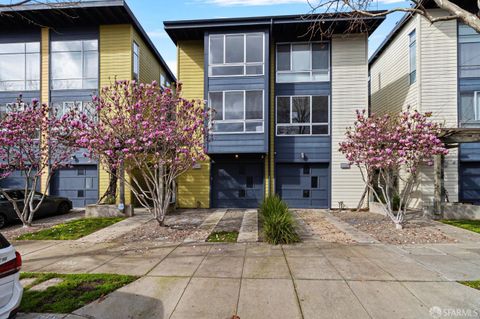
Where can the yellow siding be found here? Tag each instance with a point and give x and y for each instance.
(150, 68)
(115, 63)
(271, 151)
(193, 189)
(44, 86)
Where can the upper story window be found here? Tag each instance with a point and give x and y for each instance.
(20, 66)
(136, 61)
(302, 115)
(469, 47)
(413, 56)
(237, 111)
(303, 62)
(74, 64)
(236, 54)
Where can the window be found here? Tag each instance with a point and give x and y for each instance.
(303, 62)
(302, 115)
(86, 107)
(74, 64)
(469, 46)
(236, 54)
(237, 111)
(413, 56)
(20, 66)
(136, 61)
(162, 80)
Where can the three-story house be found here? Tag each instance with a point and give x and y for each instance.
(281, 98)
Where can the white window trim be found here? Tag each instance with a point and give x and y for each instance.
(476, 105)
(410, 44)
(244, 64)
(305, 71)
(244, 120)
(277, 125)
(134, 43)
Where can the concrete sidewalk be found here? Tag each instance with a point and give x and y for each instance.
(315, 280)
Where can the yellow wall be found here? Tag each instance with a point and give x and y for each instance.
(193, 189)
(150, 68)
(115, 63)
(271, 150)
(44, 86)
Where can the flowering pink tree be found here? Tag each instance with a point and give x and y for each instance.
(388, 150)
(34, 141)
(149, 132)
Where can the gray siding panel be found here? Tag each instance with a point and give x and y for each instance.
(317, 88)
(11, 96)
(470, 152)
(466, 85)
(315, 148)
(26, 35)
(237, 143)
(74, 33)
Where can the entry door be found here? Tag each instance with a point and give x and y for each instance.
(470, 182)
(303, 185)
(237, 185)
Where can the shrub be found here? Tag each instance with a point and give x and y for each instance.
(278, 223)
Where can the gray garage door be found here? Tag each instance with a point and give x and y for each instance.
(237, 184)
(470, 182)
(303, 185)
(79, 184)
(16, 180)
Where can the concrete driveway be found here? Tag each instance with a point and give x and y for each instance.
(315, 280)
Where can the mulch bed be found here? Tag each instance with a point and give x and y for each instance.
(417, 230)
(322, 229)
(180, 225)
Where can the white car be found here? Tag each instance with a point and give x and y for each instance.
(11, 290)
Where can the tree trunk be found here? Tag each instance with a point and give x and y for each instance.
(122, 187)
(112, 187)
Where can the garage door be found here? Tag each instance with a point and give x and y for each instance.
(237, 184)
(79, 184)
(470, 182)
(303, 185)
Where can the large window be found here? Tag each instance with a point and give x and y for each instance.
(237, 111)
(74, 64)
(20, 66)
(236, 54)
(136, 61)
(302, 115)
(413, 56)
(303, 62)
(86, 107)
(469, 47)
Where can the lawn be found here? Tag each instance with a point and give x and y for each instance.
(472, 284)
(223, 236)
(472, 225)
(74, 292)
(71, 230)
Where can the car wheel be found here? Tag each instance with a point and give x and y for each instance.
(63, 208)
(3, 220)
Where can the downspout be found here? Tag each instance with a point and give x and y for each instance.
(271, 191)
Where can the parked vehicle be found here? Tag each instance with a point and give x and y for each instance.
(51, 205)
(11, 290)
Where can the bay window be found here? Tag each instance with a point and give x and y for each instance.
(74, 64)
(20, 66)
(237, 111)
(303, 62)
(302, 115)
(239, 54)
